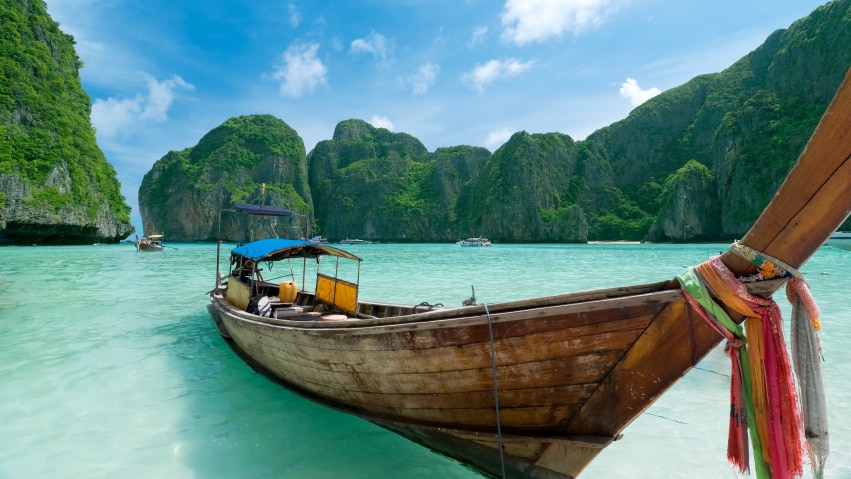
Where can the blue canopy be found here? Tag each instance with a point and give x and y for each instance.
(276, 249)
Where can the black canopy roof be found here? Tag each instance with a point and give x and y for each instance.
(262, 210)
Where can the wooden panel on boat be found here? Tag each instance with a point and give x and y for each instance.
(548, 362)
(669, 347)
(541, 372)
(321, 352)
(569, 459)
(567, 395)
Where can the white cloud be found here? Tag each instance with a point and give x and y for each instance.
(161, 96)
(375, 43)
(381, 122)
(295, 17)
(497, 138)
(112, 116)
(299, 70)
(636, 95)
(530, 21)
(424, 78)
(478, 38)
(493, 70)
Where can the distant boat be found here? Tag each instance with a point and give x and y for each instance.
(474, 242)
(318, 240)
(150, 243)
(354, 241)
(840, 239)
(616, 242)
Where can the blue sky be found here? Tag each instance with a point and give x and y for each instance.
(162, 73)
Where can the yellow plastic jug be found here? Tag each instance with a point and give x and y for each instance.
(287, 291)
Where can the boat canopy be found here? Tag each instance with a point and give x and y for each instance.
(276, 249)
(262, 210)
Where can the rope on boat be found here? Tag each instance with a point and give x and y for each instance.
(664, 417)
(769, 267)
(425, 305)
(495, 390)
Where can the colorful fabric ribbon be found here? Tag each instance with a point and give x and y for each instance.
(764, 400)
(741, 402)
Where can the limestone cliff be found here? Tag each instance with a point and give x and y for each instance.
(56, 186)
(522, 192)
(371, 183)
(183, 193)
(747, 124)
(697, 163)
(689, 206)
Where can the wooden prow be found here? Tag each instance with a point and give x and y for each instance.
(814, 200)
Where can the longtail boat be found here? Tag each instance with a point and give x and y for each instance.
(149, 243)
(537, 388)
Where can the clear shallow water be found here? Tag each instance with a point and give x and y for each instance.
(110, 366)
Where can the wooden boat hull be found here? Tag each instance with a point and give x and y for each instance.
(571, 371)
(148, 247)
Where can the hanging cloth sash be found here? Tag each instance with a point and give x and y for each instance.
(806, 356)
(740, 382)
(762, 390)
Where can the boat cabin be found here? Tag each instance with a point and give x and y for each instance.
(269, 269)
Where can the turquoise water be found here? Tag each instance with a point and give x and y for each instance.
(111, 368)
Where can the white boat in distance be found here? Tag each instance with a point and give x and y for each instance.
(318, 240)
(474, 242)
(354, 241)
(840, 239)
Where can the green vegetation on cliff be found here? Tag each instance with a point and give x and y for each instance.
(183, 193)
(698, 162)
(372, 183)
(50, 163)
(747, 125)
